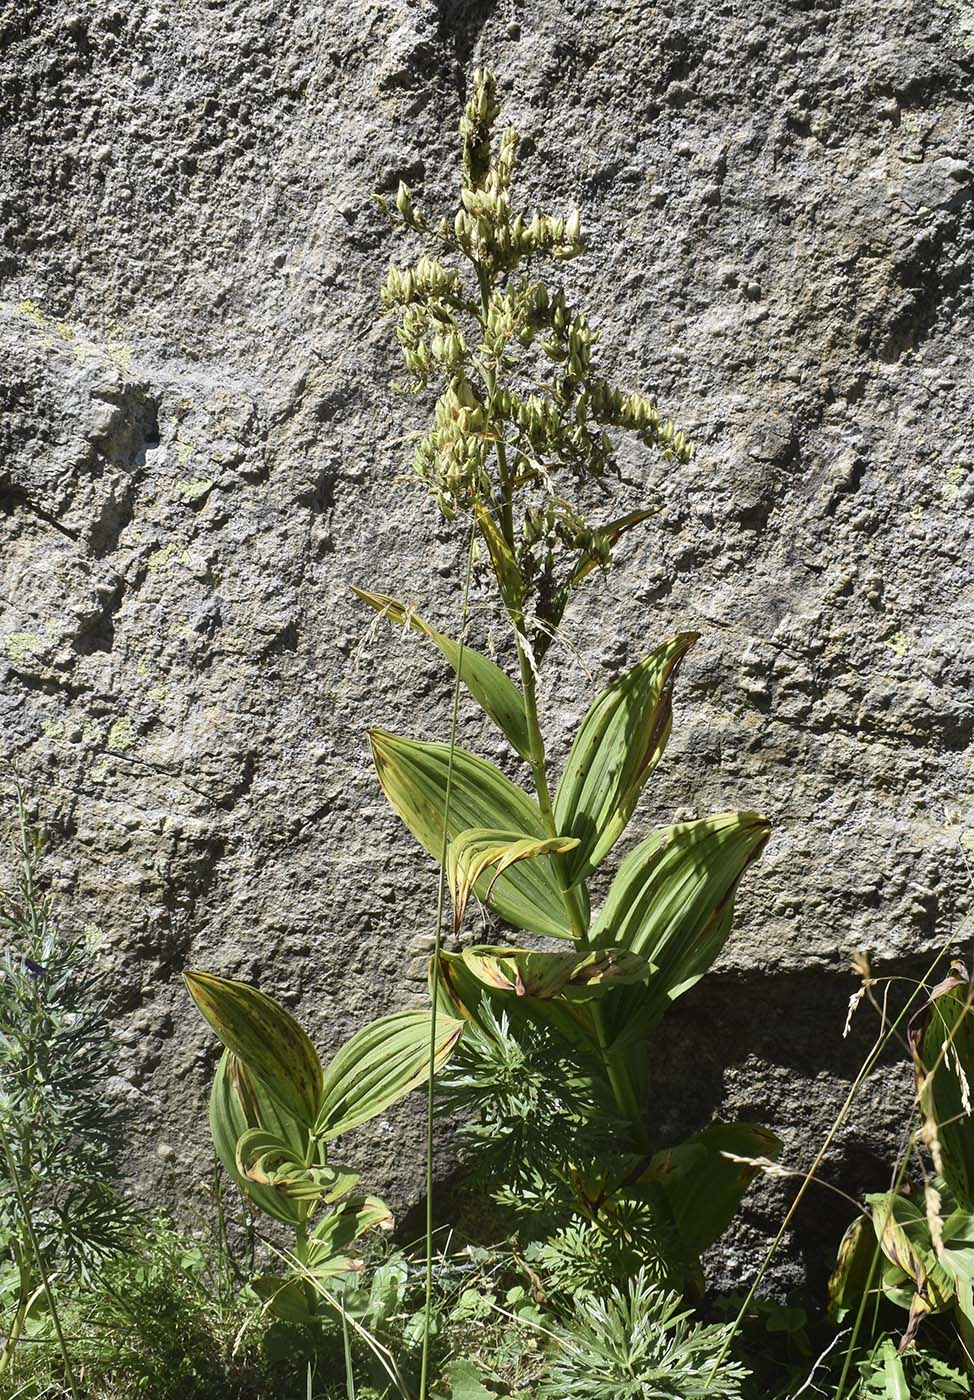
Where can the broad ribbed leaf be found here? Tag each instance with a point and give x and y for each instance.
(573, 975)
(267, 1160)
(239, 1102)
(703, 1185)
(474, 852)
(414, 779)
(672, 902)
(339, 1228)
(269, 1041)
(460, 993)
(286, 1299)
(488, 684)
(942, 1040)
(380, 1065)
(621, 739)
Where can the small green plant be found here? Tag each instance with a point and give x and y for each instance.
(274, 1110)
(915, 1248)
(59, 1129)
(522, 423)
(886, 1373)
(637, 1345)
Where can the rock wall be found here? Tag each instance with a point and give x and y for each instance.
(200, 452)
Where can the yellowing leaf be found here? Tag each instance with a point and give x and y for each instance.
(546, 975)
(267, 1160)
(473, 852)
(239, 1102)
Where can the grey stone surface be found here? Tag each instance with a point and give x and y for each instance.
(200, 452)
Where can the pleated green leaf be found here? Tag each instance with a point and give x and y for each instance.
(238, 1103)
(672, 902)
(704, 1183)
(474, 853)
(414, 779)
(380, 1065)
(286, 1299)
(339, 1228)
(265, 1037)
(491, 687)
(619, 743)
(942, 1040)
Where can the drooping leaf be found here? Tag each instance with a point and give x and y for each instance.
(473, 852)
(239, 1102)
(413, 775)
(546, 975)
(619, 743)
(903, 1232)
(487, 683)
(460, 992)
(265, 1037)
(380, 1065)
(855, 1269)
(704, 1183)
(942, 1040)
(672, 903)
(267, 1160)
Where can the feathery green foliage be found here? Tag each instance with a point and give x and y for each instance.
(59, 1124)
(636, 1344)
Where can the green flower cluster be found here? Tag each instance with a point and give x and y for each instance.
(509, 419)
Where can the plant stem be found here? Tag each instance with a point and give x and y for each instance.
(616, 1071)
(20, 1316)
(38, 1259)
(435, 979)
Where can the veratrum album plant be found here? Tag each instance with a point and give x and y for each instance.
(522, 417)
(274, 1110)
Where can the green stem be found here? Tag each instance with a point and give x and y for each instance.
(20, 1316)
(616, 1070)
(28, 1225)
(435, 983)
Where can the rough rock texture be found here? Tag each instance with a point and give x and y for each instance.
(200, 451)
